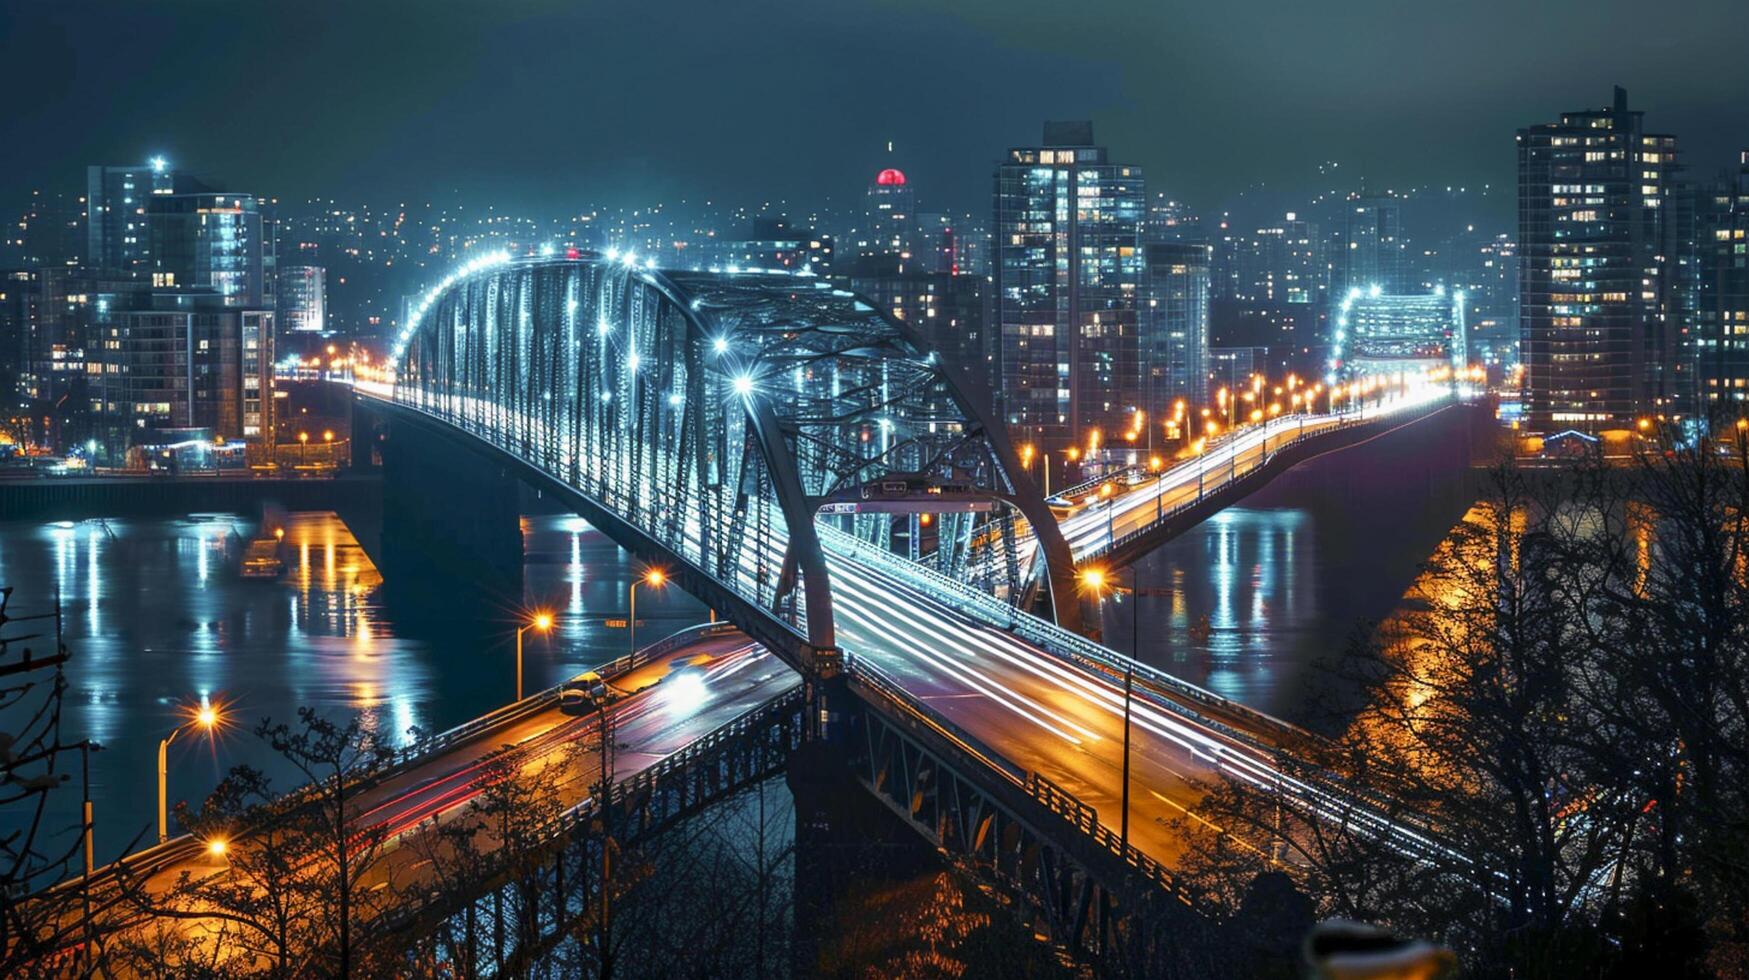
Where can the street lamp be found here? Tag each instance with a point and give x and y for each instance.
(1096, 580)
(207, 717)
(655, 578)
(303, 447)
(542, 621)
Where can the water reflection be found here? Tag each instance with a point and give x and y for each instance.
(158, 617)
(1251, 601)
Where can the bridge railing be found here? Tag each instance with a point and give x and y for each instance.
(1061, 643)
(1233, 475)
(182, 846)
(1070, 491)
(1081, 817)
(544, 700)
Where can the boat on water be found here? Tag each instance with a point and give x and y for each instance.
(262, 560)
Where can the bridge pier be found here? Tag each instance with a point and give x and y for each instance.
(451, 525)
(844, 837)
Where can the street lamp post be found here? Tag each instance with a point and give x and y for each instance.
(542, 621)
(1096, 580)
(206, 716)
(655, 578)
(303, 447)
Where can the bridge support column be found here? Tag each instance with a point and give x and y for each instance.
(845, 841)
(451, 526)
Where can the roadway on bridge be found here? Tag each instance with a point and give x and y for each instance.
(1093, 526)
(1038, 711)
(668, 703)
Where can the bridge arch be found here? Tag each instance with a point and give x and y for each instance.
(717, 414)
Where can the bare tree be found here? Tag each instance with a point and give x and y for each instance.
(35, 762)
(1477, 734)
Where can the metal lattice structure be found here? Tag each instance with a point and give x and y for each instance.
(721, 414)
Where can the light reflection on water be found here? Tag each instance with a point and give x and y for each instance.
(1281, 589)
(157, 618)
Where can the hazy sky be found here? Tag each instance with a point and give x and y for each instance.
(551, 105)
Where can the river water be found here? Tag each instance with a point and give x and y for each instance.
(157, 619)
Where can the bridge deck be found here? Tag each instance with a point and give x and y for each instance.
(673, 699)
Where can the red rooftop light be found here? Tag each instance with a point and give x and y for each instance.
(890, 178)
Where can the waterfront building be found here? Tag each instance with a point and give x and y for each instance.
(1597, 237)
(1721, 308)
(1067, 268)
(211, 240)
(180, 359)
(116, 199)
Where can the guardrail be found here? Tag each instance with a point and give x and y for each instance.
(149, 859)
(548, 698)
(878, 680)
(1086, 485)
(1080, 817)
(1061, 643)
(1234, 475)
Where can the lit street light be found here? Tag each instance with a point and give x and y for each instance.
(655, 578)
(207, 717)
(1095, 579)
(542, 621)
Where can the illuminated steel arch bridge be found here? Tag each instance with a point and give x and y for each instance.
(713, 418)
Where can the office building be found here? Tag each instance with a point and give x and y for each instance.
(889, 215)
(116, 200)
(209, 240)
(303, 299)
(769, 243)
(18, 302)
(948, 310)
(1597, 240)
(1175, 325)
(51, 231)
(1067, 267)
(1369, 248)
(1720, 327)
(180, 360)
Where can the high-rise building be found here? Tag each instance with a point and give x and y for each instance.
(1370, 249)
(1170, 220)
(890, 213)
(18, 299)
(1175, 325)
(1597, 241)
(1283, 263)
(51, 231)
(208, 240)
(179, 360)
(116, 200)
(303, 299)
(1067, 267)
(1720, 327)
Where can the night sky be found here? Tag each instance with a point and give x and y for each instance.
(552, 105)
